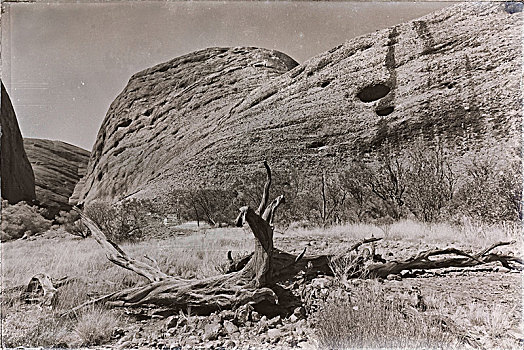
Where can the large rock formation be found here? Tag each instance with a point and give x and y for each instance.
(16, 174)
(58, 166)
(216, 113)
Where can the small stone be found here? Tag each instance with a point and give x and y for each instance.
(124, 345)
(243, 314)
(293, 318)
(255, 316)
(235, 335)
(175, 345)
(227, 315)
(394, 278)
(320, 283)
(274, 334)
(229, 327)
(300, 312)
(274, 321)
(228, 344)
(209, 346)
(171, 322)
(291, 341)
(262, 326)
(211, 331)
(182, 321)
(214, 318)
(192, 340)
(302, 339)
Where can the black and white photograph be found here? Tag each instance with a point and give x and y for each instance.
(261, 174)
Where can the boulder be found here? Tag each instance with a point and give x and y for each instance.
(18, 180)
(58, 166)
(213, 115)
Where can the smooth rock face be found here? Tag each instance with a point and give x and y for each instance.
(213, 115)
(18, 181)
(58, 166)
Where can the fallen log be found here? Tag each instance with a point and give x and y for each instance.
(253, 283)
(422, 261)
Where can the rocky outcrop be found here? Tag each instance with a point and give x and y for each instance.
(18, 181)
(217, 113)
(58, 166)
(171, 112)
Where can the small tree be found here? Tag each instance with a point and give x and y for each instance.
(70, 221)
(353, 181)
(430, 180)
(386, 178)
(491, 189)
(124, 221)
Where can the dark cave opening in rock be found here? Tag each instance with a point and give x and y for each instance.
(373, 92)
(385, 111)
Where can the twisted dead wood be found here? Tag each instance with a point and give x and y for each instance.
(422, 261)
(252, 283)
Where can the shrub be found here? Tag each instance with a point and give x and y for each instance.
(124, 221)
(431, 181)
(21, 219)
(491, 188)
(70, 221)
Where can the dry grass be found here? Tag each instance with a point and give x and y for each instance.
(368, 319)
(95, 326)
(201, 254)
(467, 233)
(31, 327)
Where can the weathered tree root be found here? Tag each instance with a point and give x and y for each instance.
(42, 289)
(422, 262)
(253, 279)
(251, 284)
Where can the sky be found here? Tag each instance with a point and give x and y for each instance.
(64, 63)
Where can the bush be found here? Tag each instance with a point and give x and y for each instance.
(21, 219)
(491, 189)
(70, 221)
(124, 221)
(431, 181)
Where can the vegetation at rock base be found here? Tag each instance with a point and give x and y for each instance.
(422, 182)
(21, 219)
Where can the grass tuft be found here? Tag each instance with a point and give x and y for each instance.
(368, 319)
(96, 325)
